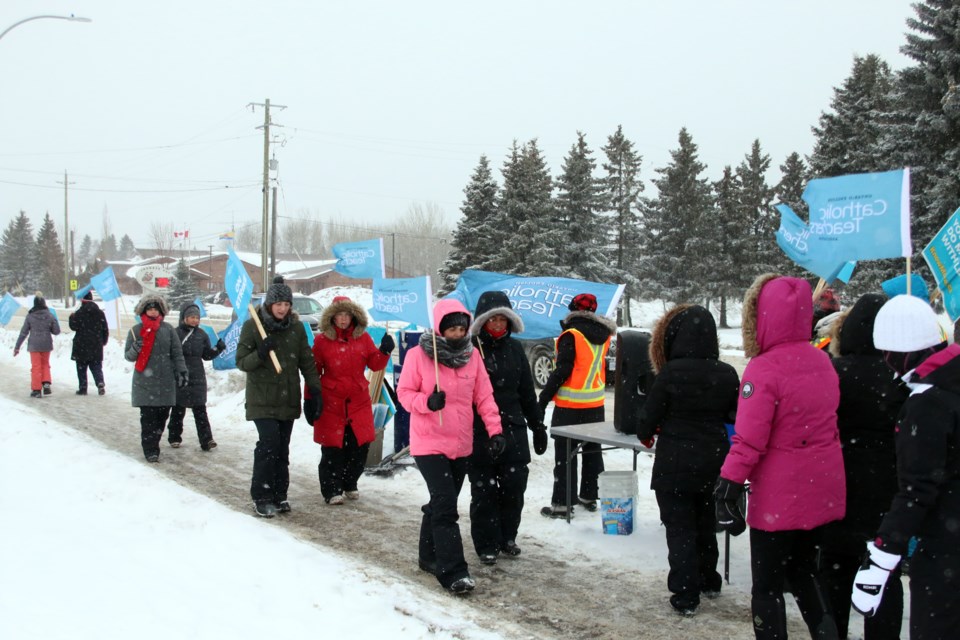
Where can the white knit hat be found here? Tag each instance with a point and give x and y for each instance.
(906, 324)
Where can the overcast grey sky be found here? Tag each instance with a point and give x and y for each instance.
(391, 103)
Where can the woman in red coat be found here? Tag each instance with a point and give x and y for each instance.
(342, 417)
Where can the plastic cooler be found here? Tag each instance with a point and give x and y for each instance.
(618, 496)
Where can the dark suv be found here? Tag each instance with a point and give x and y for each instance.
(306, 307)
(542, 356)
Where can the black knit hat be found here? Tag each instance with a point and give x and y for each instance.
(278, 292)
(88, 295)
(455, 319)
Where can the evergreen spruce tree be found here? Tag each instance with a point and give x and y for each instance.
(527, 203)
(923, 128)
(793, 180)
(848, 137)
(756, 200)
(50, 264)
(18, 256)
(471, 245)
(727, 272)
(674, 224)
(579, 201)
(503, 225)
(126, 250)
(183, 289)
(621, 193)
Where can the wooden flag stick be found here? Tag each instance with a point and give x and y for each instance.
(436, 371)
(908, 275)
(821, 285)
(263, 335)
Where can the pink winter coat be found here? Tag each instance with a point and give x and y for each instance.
(465, 388)
(786, 444)
(344, 387)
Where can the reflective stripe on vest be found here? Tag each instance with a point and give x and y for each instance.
(585, 387)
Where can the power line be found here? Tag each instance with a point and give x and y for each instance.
(224, 187)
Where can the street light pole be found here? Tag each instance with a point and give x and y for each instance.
(71, 18)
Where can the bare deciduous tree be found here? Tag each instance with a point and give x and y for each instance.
(161, 235)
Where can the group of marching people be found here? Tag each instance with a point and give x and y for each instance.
(846, 460)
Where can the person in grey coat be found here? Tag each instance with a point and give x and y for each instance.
(158, 370)
(196, 348)
(40, 325)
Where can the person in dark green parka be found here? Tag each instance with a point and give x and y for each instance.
(273, 399)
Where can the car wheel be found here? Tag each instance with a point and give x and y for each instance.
(542, 365)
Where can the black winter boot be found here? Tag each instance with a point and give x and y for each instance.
(46, 389)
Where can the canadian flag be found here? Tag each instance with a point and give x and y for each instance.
(181, 234)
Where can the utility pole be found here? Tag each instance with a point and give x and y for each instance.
(66, 242)
(393, 255)
(266, 183)
(210, 268)
(273, 238)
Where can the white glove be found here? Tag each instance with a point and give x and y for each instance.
(871, 579)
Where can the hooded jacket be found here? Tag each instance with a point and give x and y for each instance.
(40, 325)
(272, 395)
(91, 332)
(927, 502)
(511, 379)
(195, 344)
(465, 387)
(156, 385)
(692, 397)
(786, 443)
(598, 331)
(341, 363)
(870, 400)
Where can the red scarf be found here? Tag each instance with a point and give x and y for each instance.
(149, 333)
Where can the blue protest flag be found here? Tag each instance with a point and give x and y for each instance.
(8, 307)
(540, 301)
(943, 258)
(795, 239)
(238, 284)
(376, 334)
(897, 286)
(405, 299)
(306, 327)
(863, 216)
(203, 311)
(230, 337)
(360, 259)
(847, 272)
(106, 285)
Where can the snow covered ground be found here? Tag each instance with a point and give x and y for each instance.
(95, 544)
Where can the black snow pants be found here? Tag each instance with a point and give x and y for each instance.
(440, 541)
(341, 467)
(271, 461)
(690, 520)
(152, 422)
(175, 426)
(496, 503)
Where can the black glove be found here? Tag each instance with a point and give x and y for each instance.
(729, 517)
(221, 346)
(387, 344)
(265, 347)
(138, 344)
(497, 445)
(437, 400)
(183, 379)
(540, 439)
(310, 411)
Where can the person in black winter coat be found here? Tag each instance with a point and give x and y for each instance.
(196, 348)
(91, 334)
(577, 387)
(497, 486)
(870, 399)
(927, 502)
(693, 397)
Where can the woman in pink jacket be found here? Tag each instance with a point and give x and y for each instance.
(342, 417)
(787, 446)
(441, 433)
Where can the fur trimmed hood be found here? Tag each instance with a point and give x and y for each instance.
(776, 309)
(575, 317)
(493, 303)
(685, 331)
(852, 331)
(360, 320)
(149, 299)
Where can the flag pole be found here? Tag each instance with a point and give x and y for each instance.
(263, 335)
(436, 371)
(908, 274)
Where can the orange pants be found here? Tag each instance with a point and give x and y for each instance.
(39, 369)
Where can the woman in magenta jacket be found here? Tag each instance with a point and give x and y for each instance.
(441, 401)
(344, 429)
(788, 447)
